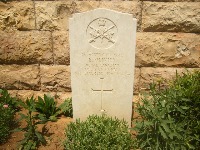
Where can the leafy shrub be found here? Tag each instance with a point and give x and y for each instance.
(47, 106)
(66, 107)
(6, 121)
(187, 87)
(8, 107)
(98, 132)
(32, 137)
(170, 119)
(6, 99)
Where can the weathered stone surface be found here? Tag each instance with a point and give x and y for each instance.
(136, 80)
(83, 6)
(13, 93)
(15, 77)
(24, 94)
(26, 47)
(121, 6)
(136, 98)
(54, 15)
(17, 16)
(168, 49)
(62, 96)
(159, 75)
(175, 17)
(2, 54)
(55, 78)
(131, 7)
(61, 47)
(102, 59)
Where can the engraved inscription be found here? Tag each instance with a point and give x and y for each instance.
(102, 90)
(102, 33)
(102, 64)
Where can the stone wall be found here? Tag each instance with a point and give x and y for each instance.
(34, 47)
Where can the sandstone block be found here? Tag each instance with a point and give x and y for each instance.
(136, 98)
(13, 93)
(172, 17)
(168, 49)
(159, 75)
(26, 47)
(121, 6)
(24, 94)
(14, 77)
(61, 47)
(131, 7)
(2, 55)
(62, 96)
(55, 78)
(54, 15)
(17, 16)
(136, 81)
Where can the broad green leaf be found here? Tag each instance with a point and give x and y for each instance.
(40, 137)
(191, 146)
(162, 133)
(166, 128)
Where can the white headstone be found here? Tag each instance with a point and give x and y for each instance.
(102, 59)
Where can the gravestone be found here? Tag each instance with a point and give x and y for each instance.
(102, 59)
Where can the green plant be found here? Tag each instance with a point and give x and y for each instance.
(32, 137)
(6, 121)
(47, 106)
(98, 132)
(12, 102)
(170, 118)
(8, 107)
(187, 86)
(66, 107)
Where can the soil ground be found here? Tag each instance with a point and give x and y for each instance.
(54, 135)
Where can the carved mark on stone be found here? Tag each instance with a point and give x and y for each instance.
(102, 33)
(102, 90)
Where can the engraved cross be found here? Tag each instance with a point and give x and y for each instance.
(102, 90)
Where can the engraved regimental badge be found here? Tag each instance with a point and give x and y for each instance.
(102, 33)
